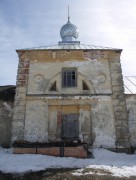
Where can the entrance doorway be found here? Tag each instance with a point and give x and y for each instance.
(70, 126)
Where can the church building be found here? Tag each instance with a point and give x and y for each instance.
(69, 96)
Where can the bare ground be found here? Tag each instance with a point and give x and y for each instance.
(65, 174)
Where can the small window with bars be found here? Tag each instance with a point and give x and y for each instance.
(69, 78)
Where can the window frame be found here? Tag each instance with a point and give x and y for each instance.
(66, 70)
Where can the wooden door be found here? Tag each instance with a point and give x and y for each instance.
(70, 126)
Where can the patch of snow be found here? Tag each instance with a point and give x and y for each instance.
(119, 164)
(6, 151)
(116, 171)
(79, 172)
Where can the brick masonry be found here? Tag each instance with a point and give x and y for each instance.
(24, 151)
(54, 151)
(76, 152)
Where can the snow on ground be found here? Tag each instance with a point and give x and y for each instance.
(119, 164)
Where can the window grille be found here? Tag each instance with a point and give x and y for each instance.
(69, 78)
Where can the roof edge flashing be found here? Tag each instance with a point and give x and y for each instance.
(68, 42)
(74, 45)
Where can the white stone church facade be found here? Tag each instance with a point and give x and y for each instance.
(71, 93)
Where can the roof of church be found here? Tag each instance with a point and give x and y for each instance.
(70, 46)
(130, 84)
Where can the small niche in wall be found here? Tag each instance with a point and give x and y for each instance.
(53, 87)
(85, 87)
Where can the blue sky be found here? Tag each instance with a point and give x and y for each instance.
(33, 23)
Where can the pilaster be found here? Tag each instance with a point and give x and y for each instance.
(119, 103)
(18, 122)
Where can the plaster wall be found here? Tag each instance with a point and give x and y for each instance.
(103, 123)
(36, 121)
(96, 119)
(131, 107)
(6, 109)
(95, 73)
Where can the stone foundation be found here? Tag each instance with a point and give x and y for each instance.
(76, 152)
